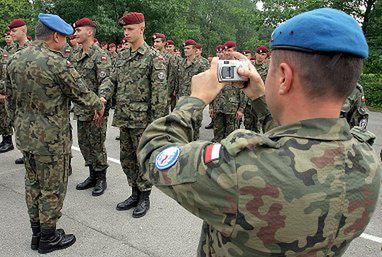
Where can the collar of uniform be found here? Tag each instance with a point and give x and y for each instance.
(321, 129)
(45, 45)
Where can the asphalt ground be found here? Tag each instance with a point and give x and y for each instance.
(167, 230)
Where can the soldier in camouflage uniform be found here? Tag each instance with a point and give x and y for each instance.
(251, 118)
(199, 51)
(306, 188)
(5, 125)
(187, 68)
(172, 72)
(140, 76)
(228, 107)
(18, 32)
(94, 66)
(113, 53)
(354, 109)
(9, 41)
(171, 62)
(40, 92)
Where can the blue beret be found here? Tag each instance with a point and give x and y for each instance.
(55, 23)
(323, 30)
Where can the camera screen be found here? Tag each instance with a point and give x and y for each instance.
(228, 72)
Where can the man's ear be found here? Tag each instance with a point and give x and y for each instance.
(286, 78)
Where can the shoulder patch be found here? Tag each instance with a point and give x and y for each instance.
(161, 76)
(212, 153)
(167, 158)
(102, 74)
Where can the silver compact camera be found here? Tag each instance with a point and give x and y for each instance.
(227, 70)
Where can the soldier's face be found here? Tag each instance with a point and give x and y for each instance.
(198, 52)
(249, 56)
(133, 32)
(189, 51)
(18, 33)
(8, 39)
(260, 57)
(170, 48)
(159, 44)
(113, 49)
(82, 34)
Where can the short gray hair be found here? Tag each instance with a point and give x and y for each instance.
(42, 32)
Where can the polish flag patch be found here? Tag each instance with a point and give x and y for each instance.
(212, 152)
(363, 99)
(104, 58)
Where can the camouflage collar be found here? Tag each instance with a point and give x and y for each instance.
(88, 53)
(321, 129)
(43, 44)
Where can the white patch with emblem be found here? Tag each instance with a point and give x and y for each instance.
(167, 158)
(161, 76)
(363, 123)
(102, 74)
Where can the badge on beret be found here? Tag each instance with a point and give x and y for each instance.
(363, 123)
(161, 76)
(167, 158)
(102, 74)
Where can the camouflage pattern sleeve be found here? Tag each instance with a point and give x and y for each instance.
(158, 89)
(10, 103)
(103, 63)
(202, 190)
(74, 87)
(264, 115)
(242, 101)
(172, 75)
(107, 87)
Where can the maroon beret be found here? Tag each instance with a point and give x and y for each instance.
(112, 45)
(229, 44)
(189, 42)
(170, 42)
(95, 40)
(119, 45)
(8, 33)
(219, 48)
(103, 43)
(199, 46)
(159, 35)
(29, 38)
(84, 22)
(247, 52)
(262, 49)
(132, 18)
(16, 23)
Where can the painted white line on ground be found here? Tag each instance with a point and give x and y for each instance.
(364, 235)
(75, 148)
(372, 238)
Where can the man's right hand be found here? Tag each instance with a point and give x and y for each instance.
(98, 115)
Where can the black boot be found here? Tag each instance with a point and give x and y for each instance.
(36, 230)
(19, 160)
(210, 126)
(52, 240)
(6, 145)
(89, 182)
(143, 205)
(130, 202)
(101, 184)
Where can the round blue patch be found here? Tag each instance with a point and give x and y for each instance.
(167, 158)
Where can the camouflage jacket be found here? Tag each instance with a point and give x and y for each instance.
(15, 47)
(204, 61)
(354, 108)
(141, 95)
(172, 78)
(94, 67)
(40, 85)
(184, 76)
(7, 48)
(262, 69)
(304, 189)
(230, 100)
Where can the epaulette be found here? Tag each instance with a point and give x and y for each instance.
(362, 135)
(245, 139)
